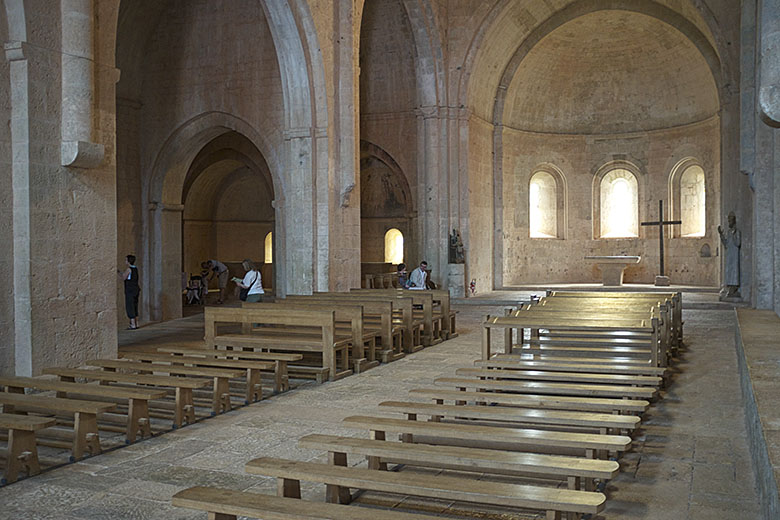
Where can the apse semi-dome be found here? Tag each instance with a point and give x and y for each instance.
(611, 72)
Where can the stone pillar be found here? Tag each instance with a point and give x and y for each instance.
(769, 88)
(300, 214)
(78, 86)
(161, 272)
(432, 182)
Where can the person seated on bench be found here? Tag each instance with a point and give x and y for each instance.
(420, 278)
(194, 290)
(251, 282)
(403, 277)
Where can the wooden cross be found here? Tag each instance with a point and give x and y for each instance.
(661, 223)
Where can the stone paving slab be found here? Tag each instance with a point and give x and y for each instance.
(688, 462)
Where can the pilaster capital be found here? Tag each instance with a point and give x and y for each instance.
(16, 50)
(162, 206)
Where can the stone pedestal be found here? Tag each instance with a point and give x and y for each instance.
(612, 267)
(456, 280)
(662, 281)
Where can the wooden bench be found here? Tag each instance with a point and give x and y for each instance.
(184, 407)
(377, 316)
(254, 387)
(566, 377)
(479, 436)
(579, 472)
(339, 479)
(279, 360)
(137, 399)
(227, 504)
(529, 387)
(220, 376)
(326, 347)
(511, 362)
(547, 402)
(604, 422)
(349, 321)
(84, 415)
(22, 450)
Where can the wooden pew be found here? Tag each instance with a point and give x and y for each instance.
(227, 504)
(22, 449)
(544, 402)
(574, 470)
(602, 422)
(423, 299)
(137, 398)
(349, 318)
(479, 436)
(515, 362)
(340, 478)
(254, 388)
(529, 387)
(402, 313)
(507, 323)
(84, 414)
(184, 407)
(377, 317)
(566, 377)
(326, 346)
(442, 312)
(278, 359)
(221, 376)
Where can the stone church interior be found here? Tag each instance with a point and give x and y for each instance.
(391, 259)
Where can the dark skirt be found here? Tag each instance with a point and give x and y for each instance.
(131, 303)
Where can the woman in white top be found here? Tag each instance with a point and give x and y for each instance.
(251, 281)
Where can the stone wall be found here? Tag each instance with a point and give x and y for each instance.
(579, 158)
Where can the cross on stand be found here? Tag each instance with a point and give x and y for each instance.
(661, 223)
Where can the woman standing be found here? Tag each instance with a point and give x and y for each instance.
(251, 281)
(132, 291)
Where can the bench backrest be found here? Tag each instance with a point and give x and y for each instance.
(324, 319)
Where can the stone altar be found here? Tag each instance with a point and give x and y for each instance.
(612, 267)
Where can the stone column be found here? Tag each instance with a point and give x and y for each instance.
(432, 182)
(300, 213)
(78, 86)
(161, 274)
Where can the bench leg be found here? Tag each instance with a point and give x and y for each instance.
(221, 401)
(281, 380)
(137, 419)
(185, 407)
(553, 515)
(289, 488)
(221, 516)
(337, 494)
(254, 386)
(22, 453)
(85, 435)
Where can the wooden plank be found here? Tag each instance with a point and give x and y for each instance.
(547, 402)
(517, 363)
(48, 404)
(440, 487)
(224, 504)
(569, 377)
(81, 388)
(590, 390)
(166, 368)
(29, 423)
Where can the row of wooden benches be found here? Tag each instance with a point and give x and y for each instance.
(555, 418)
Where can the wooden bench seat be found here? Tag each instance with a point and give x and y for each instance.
(279, 359)
(84, 414)
(516, 363)
(254, 388)
(531, 355)
(339, 479)
(22, 449)
(547, 402)
(332, 355)
(590, 390)
(137, 399)
(565, 418)
(480, 436)
(220, 376)
(184, 407)
(568, 377)
(227, 504)
(477, 460)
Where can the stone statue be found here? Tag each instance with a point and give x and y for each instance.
(456, 248)
(732, 241)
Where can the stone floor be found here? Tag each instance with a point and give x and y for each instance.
(690, 460)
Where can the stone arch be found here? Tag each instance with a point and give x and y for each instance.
(675, 192)
(599, 175)
(164, 196)
(561, 195)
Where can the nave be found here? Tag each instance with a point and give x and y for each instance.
(688, 460)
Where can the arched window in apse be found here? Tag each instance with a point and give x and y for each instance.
(692, 202)
(394, 246)
(619, 205)
(542, 206)
(269, 248)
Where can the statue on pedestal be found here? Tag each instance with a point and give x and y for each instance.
(456, 248)
(732, 242)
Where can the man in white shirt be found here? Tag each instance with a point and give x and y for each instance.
(418, 276)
